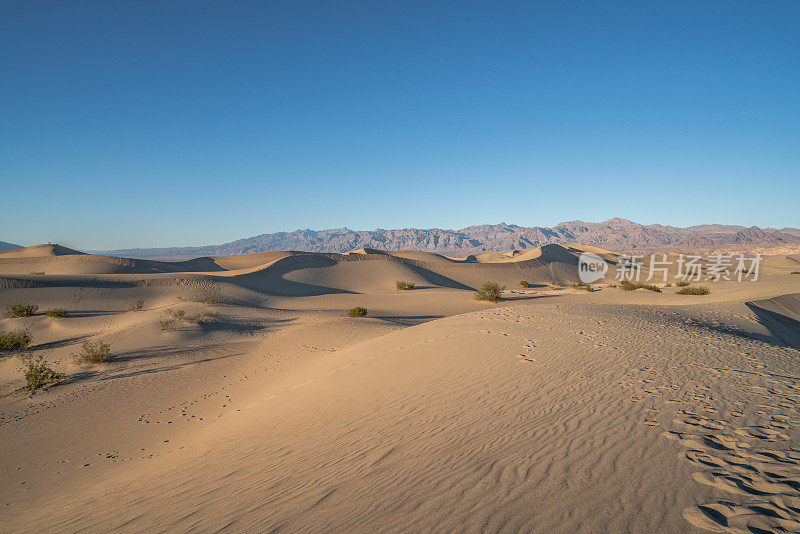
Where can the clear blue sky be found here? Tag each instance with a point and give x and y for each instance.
(129, 124)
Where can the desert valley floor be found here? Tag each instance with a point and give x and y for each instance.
(266, 408)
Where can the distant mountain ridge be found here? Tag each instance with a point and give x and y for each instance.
(8, 246)
(620, 235)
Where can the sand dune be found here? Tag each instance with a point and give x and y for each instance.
(290, 273)
(553, 411)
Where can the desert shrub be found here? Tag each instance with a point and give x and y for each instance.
(137, 305)
(93, 353)
(694, 290)
(404, 286)
(650, 287)
(358, 311)
(38, 373)
(682, 283)
(176, 314)
(21, 310)
(14, 340)
(166, 326)
(795, 272)
(490, 291)
(524, 283)
(56, 312)
(209, 301)
(668, 284)
(627, 285)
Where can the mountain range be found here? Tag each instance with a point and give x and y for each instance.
(619, 235)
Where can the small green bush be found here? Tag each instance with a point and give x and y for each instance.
(404, 286)
(209, 301)
(682, 283)
(694, 290)
(669, 284)
(93, 353)
(56, 312)
(14, 340)
(627, 285)
(490, 292)
(137, 305)
(166, 326)
(21, 310)
(795, 272)
(524, 283)
(358, 311)
(38, 373)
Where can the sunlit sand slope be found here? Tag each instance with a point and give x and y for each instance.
(546, 418)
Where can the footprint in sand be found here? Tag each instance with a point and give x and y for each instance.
(762, 432)
(702, 422)
(762, 516)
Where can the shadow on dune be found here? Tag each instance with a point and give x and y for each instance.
(515, 298)
(271, 280)
(60, 343)
(436, 278)
(738, 332)
(164, 368)
(103, 376)
(783, 328)
(223, 324)
(8, 282)
(408, 320)
(203, 264)
(92, 313)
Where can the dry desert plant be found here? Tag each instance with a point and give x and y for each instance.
(490, 292)
(93, 353)
(38, 373)
(16, 340)
(358, 311)
(627, 285)
(21, 309)
(694, 290)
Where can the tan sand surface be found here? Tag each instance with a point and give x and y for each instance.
(556, 410)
